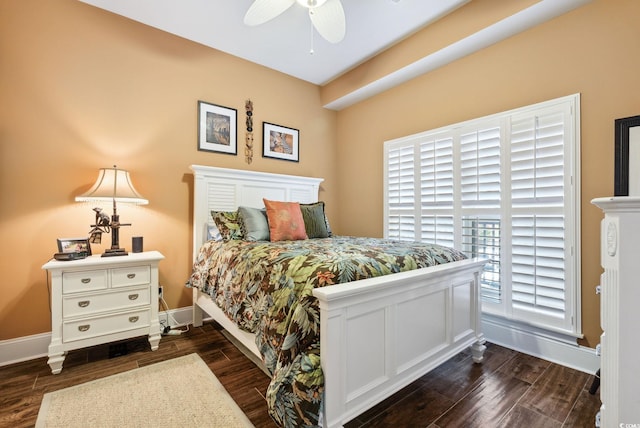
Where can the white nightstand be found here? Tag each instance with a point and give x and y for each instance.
(102, 299)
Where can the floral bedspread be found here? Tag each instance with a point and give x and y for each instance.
(266, 288)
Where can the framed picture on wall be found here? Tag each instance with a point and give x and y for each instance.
(217, 128)
(280, 142)
(627, 157)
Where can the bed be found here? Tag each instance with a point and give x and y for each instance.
(376, 335)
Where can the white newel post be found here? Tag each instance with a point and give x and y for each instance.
(478, 348)
(332, 342)
(620, 316)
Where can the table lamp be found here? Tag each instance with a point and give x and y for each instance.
(115, 185)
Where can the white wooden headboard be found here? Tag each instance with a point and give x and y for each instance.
(224, 189)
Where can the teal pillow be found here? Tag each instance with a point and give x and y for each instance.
(253, 221)
(228, 224)
(315, 220)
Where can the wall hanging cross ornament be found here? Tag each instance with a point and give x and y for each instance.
(248, 150)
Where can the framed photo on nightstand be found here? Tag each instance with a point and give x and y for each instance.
(81, 246)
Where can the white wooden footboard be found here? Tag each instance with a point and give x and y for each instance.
(380, 334)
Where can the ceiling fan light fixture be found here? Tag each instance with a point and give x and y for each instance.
(311, 4)
(327, 16)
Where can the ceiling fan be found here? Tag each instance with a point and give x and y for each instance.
(327, 16)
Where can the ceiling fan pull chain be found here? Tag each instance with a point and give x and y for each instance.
(311, 27)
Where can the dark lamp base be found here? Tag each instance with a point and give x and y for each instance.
(111, 252)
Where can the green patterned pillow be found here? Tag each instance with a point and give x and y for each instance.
(228, 223)
(315, 221)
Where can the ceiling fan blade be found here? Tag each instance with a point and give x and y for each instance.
(262, 11)
(329, 20)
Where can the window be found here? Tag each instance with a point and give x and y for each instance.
(503, 187)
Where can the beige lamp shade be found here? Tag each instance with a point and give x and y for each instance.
(113, 184)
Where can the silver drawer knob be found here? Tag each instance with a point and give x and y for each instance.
(133, 296)
(133, 319)
(84, 327)
(84, 303)
(131, 275)
(85, 280)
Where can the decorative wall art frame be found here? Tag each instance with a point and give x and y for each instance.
(280, 142)
(217, 128)
(81, 246)
(627, 157)
(248, 136)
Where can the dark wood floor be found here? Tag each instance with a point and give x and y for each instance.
(508, 389)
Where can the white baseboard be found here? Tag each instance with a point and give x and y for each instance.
(24, 348)
(540, 345)
(560, 352)
(177, 317)
(31, 347)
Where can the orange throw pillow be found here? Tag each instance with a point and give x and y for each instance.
(285, 221)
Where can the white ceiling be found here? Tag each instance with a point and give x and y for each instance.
(283, 44)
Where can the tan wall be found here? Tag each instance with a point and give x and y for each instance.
(82, 89)
(589, 51)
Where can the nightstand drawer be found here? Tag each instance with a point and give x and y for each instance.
(87, 304)
(134, 275)
(98, 326)
(88, 280)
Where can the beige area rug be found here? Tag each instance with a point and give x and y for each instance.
(181, 392)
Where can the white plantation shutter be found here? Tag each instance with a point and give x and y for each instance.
(480, 168)
(400, 196)
(436, 173)
(538, 189)
(480, 189)
(537, 160)
(436, 190)
(438, 229)
(504, 187)
(538, 266)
